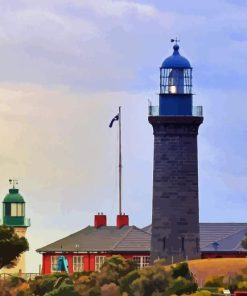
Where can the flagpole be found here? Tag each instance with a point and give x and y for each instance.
(120, 164)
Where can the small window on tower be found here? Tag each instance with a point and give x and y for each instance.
(182, 244)
(164, 244)
(7, 209)
(197, 245)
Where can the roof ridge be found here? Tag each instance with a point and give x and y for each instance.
(232, 234)
(121, 239)
(141, 230)
(227, 236)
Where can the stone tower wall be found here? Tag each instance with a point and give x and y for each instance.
(175, 217)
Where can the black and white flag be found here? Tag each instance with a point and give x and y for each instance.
(116, 118)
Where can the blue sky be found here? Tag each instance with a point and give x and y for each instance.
(66, 66)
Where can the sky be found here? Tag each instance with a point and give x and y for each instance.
(66, 66)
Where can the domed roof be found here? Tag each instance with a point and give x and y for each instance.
(176, 60)
(13, 196)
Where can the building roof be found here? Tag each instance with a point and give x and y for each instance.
(176, 60)
(219, 237)
(214, 237)
(103, 239)
(13, 196)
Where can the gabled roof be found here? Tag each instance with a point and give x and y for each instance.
(222, 237)
(214, 237)
(103, 239)
(219, 237)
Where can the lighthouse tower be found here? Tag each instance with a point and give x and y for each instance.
(14, 216)
(175, 215)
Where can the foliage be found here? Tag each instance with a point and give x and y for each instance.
(43, 284)
(65, 289)
(126, 281)
(217, 281)
(11, 246)
(181, 285)
(151, 279)
(200, 293)
(117, 276)
(181, 270)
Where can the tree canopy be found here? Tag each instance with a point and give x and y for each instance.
(11, 246)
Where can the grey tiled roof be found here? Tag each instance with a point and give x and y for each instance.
(228, 236)
(103, 239)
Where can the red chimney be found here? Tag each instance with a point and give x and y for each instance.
(99, 220)
(122, 220)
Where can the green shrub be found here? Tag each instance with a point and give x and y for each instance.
(217, 281)
(151, 279)
(181, 270)
(43, 284)
(127, 280)
(181, 285)
(64, 290)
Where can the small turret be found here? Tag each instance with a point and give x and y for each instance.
(14, 208)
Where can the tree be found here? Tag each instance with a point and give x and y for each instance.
(11, 246)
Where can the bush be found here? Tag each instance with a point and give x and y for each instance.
(200, 293)
(181, 285)
(151, 279)
(217, 281)
(127, 280)
(44, 284)
(181, 270)
(64, 290)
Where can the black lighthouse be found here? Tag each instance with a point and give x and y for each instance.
(175, 216)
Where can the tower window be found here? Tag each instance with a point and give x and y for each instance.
(17, 209)
(164, 244)
(182, 244)
(7, 209)
(197, 245)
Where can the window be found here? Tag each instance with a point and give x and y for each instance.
(78, 263)
(54, 263)
(182, 244)
(164, 244)
(197, 245)
(99, 260)
(7, 209)
(142, 261)
(17, 209)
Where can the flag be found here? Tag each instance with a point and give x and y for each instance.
(114, 119)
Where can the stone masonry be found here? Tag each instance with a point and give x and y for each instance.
(175, 217)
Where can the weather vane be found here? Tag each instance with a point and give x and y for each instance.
(175, 40)
(13, 182)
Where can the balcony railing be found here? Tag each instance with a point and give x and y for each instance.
(196, 111)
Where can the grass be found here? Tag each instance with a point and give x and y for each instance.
(203, 269)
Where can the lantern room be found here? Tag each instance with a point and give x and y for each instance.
(14, 209)
(175, 85)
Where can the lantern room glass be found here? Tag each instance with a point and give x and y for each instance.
(176, 80)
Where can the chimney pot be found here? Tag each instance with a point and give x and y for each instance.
(122, 220)
(99, 220)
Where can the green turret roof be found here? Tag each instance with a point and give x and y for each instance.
(13, 196)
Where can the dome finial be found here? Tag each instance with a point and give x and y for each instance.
(13, 182)
(175, 47)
